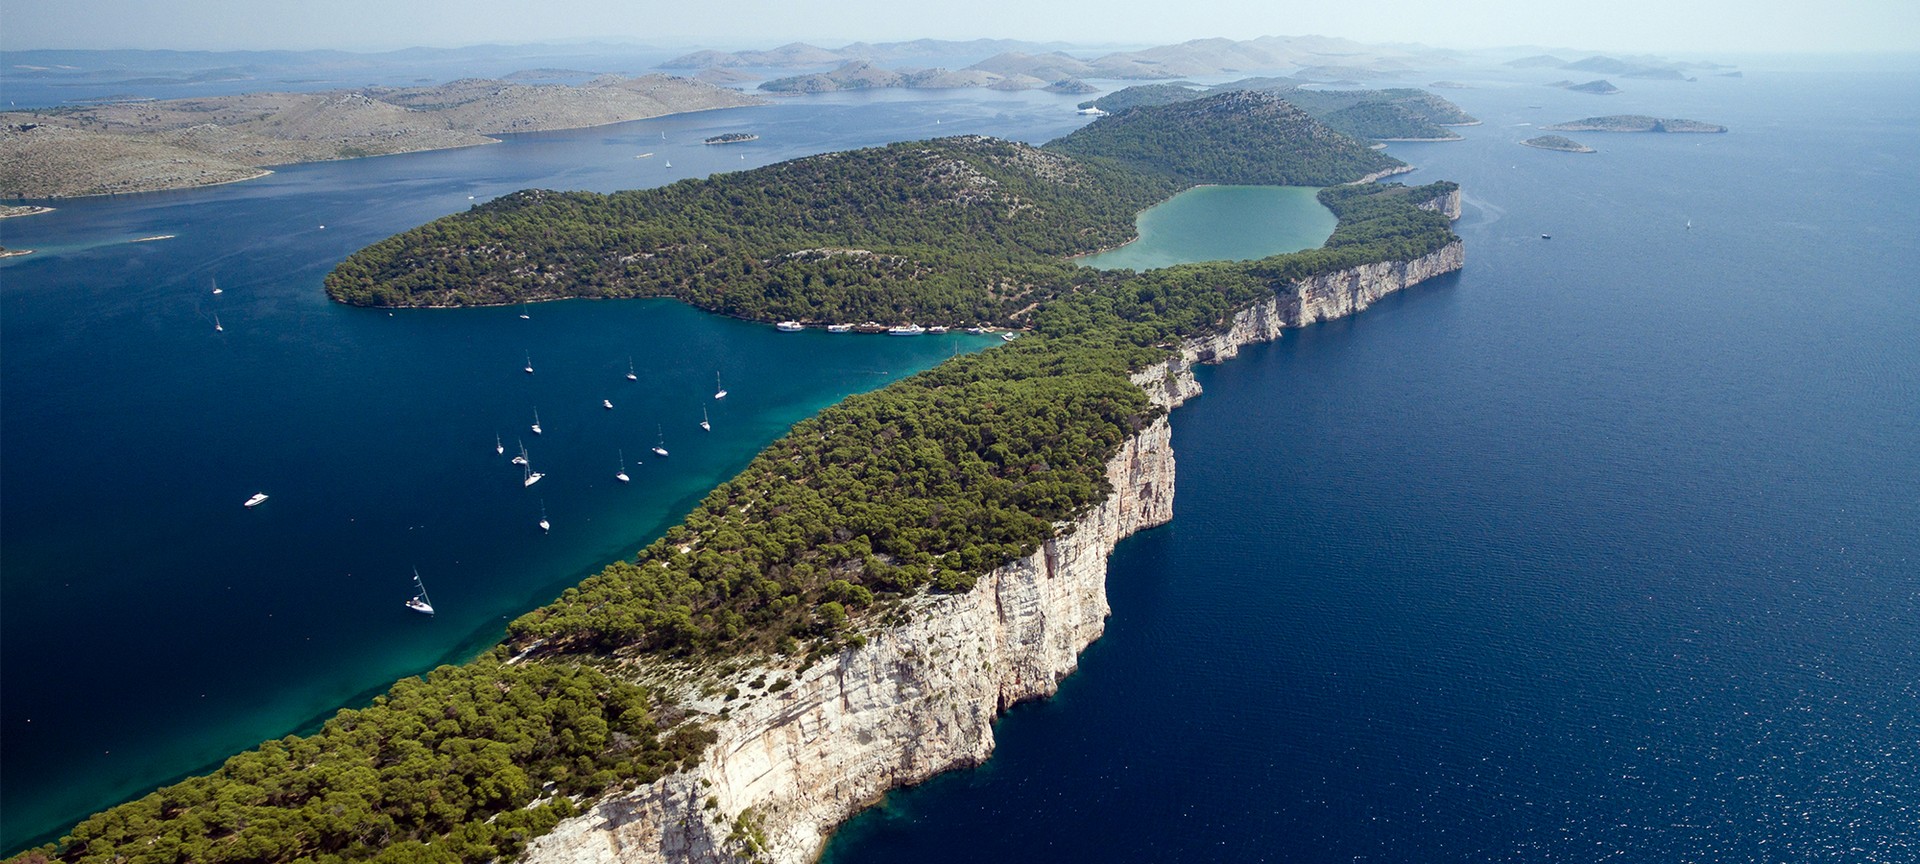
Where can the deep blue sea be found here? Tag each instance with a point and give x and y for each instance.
(1603, 550)
(150, 625)
(1606, 549)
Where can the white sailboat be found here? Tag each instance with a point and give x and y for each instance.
(630, 374)
(522, 458)
(620, 473)
(528, 476)
(524, 316)
(719, 391)
(607, 404)
(703, 419)
(660, 449)
(216, 287)
(669, 163)
(536, 421)
(216, 324)
(529, 362)
(497, 446)
(420, 603)
(544, 524)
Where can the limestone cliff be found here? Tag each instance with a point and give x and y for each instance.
(919, 698)
(915, 700)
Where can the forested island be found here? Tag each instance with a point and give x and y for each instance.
(826, 538)
(1634, 123)
(1559, 143)
(732, 138)
(822, 239)
(1399, 114)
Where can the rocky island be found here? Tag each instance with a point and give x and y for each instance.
(172, 144)
(1599, 87)
(1634, 123)
(852, 611)
(732, 138)
(1558, 143)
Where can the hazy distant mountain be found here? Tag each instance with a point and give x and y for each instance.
(918, 51)
(1538, 61)
(1193, 58)
(1052, 67)
(861, 75)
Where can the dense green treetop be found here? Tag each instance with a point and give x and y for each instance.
(1401, 112)
(939, 231)
(1239, 137)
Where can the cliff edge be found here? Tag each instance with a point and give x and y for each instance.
(918, 698)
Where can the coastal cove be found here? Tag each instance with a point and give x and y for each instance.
(1482, 575)
(1221, 223)
(315, 404)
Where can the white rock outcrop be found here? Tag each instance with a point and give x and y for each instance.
(920, 698)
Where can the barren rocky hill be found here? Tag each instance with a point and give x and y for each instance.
(145, 146)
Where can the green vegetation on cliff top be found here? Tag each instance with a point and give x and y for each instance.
(923, 485)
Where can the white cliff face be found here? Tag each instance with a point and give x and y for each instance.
(920, 698)
(1321, 298)
(916, 700)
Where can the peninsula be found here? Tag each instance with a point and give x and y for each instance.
(851, 611)
(1634, 123)
(152, 145)
(1559, 143)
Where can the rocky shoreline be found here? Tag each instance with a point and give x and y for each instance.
(793, 761)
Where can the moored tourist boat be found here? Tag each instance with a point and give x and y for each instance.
(789, 326)
(906, 330)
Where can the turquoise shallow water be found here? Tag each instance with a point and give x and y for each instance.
(1606, 549)
(152, 626)
(1222, 223)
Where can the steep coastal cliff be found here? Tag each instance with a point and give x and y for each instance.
(920, 698)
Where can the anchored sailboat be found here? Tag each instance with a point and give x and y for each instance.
(630, 375)
(719, 392)
(216, 324)
(529, 362)
(523, 312)
(497, 446)
(660, 449)
(420, 603)
(536, 421)
(216, 286)
(522, 458)
(703, 419)
(544, 524)
(620, 471)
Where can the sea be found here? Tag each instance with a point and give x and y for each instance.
(1606, 548)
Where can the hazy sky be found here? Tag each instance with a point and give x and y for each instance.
(1693, 26)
